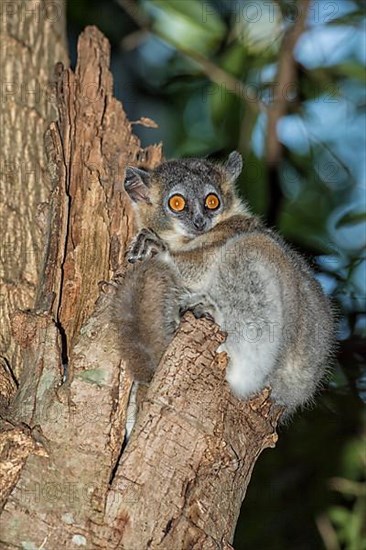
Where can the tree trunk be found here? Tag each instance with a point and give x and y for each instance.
(32, 41)
(67, 480)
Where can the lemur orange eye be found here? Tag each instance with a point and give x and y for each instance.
(212, 201)
(177, 203)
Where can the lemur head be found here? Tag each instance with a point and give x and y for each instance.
(182, 199)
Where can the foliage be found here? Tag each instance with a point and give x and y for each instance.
(347, 518)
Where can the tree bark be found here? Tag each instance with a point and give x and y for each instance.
(182, 479)
(67, 480)
(32, 41)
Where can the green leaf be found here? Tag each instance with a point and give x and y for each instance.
(234, 60)
(260, 29)
(351, 69)
(353, 459)
(186, 25)
(352, 18)
(351, 218)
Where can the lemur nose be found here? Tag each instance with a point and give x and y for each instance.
(199, 223)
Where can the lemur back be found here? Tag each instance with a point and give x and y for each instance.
(204, 251)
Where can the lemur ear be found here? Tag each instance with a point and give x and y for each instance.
(234, 165)
(137, 184)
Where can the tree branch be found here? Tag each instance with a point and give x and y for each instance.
(184, 474)
(286, 77)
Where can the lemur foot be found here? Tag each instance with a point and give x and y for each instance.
(144, 246)
(200, 310)
(200, 306)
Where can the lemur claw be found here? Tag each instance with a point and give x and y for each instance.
(203, 307)
(145, 245)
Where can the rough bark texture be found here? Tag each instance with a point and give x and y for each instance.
(32, 41)
(67, 481)
(184, 474)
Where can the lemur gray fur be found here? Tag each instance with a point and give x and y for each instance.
(200, 248)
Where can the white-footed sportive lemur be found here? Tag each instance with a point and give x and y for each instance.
(200, 248)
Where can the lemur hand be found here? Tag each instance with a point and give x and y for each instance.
(145, 245)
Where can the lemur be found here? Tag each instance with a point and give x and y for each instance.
(200, 248)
